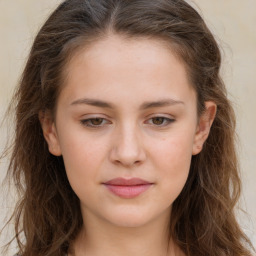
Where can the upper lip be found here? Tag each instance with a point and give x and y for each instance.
(127, 182)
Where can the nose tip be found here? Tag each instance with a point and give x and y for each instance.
(127, 150)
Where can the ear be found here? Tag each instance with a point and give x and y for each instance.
(204, 126)
(50, 132)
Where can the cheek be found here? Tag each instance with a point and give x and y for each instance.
(174, 152)
(172, 159)
(82, 158)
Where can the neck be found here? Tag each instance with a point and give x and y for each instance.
(102, 238)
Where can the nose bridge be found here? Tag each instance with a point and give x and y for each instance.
(128, 147)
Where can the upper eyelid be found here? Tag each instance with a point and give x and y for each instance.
(92, 116)
(149, 117)
(168, 116)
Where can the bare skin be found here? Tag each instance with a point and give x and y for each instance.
(126, 137)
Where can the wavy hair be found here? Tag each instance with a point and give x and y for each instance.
(48, 213)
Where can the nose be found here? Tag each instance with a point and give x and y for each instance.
(127, 148)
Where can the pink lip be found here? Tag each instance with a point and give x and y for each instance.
(127, 188)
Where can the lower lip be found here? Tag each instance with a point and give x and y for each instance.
(128, 191)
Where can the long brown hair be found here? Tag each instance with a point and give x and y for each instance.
(48, 213)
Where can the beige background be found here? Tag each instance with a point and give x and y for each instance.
(232, 21)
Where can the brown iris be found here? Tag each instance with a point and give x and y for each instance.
(96, 121)
(158, 120)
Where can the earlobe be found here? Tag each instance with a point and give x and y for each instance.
(50, 132)
(204, 126)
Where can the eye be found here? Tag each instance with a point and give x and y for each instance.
(94, 122)
(161, 121)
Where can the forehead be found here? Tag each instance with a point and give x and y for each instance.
(125, 66)
(147, 52)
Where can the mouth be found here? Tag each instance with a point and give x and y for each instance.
(127, 188)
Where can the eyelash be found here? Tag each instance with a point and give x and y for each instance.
(86, 122)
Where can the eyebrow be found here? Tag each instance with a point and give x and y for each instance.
(144, 106)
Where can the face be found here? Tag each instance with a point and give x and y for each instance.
(126, 125)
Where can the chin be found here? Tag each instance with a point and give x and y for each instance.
(130, 218)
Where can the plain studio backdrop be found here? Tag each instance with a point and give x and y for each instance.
(233, 24)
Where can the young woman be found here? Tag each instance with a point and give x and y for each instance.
(125, 136)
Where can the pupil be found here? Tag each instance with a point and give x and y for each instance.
(158, 120)
(96, 121)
